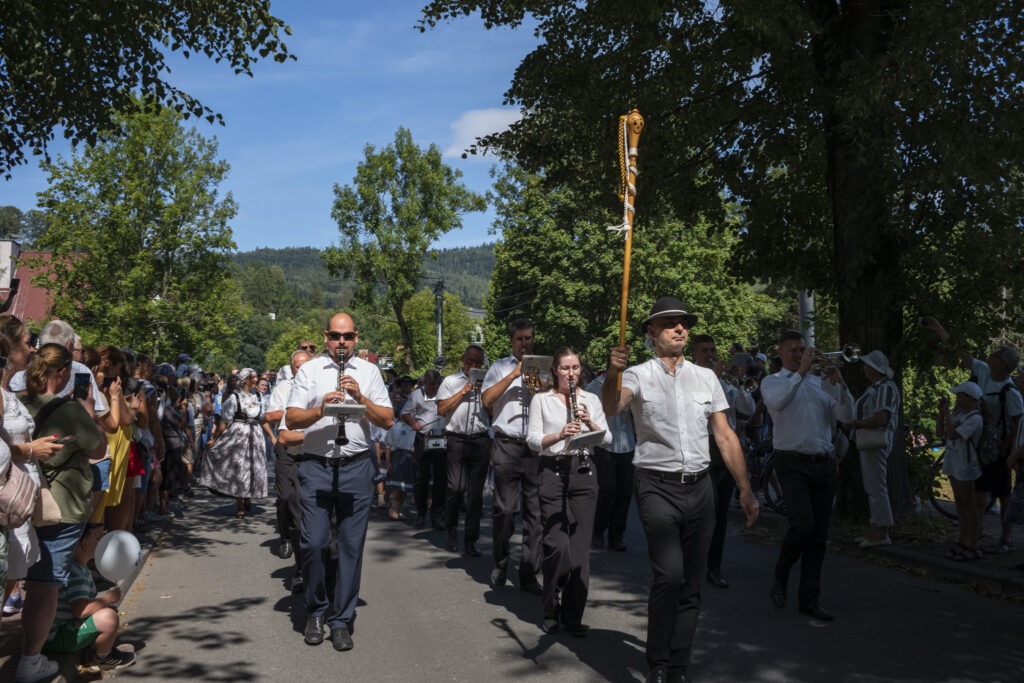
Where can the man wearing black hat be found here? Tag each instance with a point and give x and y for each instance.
(673, 402)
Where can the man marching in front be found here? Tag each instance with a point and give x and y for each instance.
(673, 402)
(335, 474)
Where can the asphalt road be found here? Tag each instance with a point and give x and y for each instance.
(210, 605)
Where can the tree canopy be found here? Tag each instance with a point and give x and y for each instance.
(873, 147)
(402, 199)
(140, 240)
(73, 66)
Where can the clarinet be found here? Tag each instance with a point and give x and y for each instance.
(584, 466)
(342, 438)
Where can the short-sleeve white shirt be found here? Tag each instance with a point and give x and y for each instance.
(319, 376)
(469, 416)
(670, 412)
(509, 418)
(424, 410)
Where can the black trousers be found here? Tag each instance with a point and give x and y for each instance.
(334, 497)
(515, 475)
(289, 508)
(431, 477)
(615, 490)
(678, 520)
(567, 504)
(809, 487)
(724, 486)
(467, 473)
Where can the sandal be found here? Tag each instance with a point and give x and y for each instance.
(239, 514)
(396, 515)
(957, 551)
(968, 555)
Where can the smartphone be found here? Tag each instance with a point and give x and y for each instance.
(81, 389)
(70, 438)
(107, 381)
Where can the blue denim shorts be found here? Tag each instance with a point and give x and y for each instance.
(101, 475)
(57, 545)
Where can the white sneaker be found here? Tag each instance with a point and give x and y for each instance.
(30, 673)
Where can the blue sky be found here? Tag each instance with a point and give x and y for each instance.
(295, 129)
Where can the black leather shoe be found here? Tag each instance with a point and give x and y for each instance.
(575, 630)
(284, 551)
(472, 550)
(421, 521)
(778, 595)
(597, 542)
(715, 579)
(499, 577)
(550, 626)
(616, 543)
(532, 587)
(437, 521)
(451, 544)
(293, 584)
(341, 639)
(815, 611)
(314, 633)
(658, 674)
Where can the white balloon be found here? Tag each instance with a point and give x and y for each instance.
(117, 555)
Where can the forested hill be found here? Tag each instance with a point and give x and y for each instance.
(466, 271)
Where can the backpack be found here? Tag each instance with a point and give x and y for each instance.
(992, 444)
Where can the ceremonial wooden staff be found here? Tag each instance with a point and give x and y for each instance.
(630, 127)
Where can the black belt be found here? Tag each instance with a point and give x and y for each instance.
(811, 457)
(511, 439)
(246, 420)
(466, 437)
(687, 478)
(333, 462)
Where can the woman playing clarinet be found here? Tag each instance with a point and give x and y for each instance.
(568, 491)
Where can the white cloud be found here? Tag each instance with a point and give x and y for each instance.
(477, 123)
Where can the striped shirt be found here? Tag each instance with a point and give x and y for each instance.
(79, 587)
(882, 395)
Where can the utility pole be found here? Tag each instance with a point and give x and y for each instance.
(439, 360)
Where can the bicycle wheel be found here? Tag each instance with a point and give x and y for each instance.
(940, 494)
(771, 489)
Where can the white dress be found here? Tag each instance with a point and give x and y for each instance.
(24, 545)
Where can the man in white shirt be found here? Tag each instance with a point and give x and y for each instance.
(805, 409)
(507, 399)
(289, 511)
(469, 445)
(673, 402)
(420, 413)
(705, 354)
(335, 474)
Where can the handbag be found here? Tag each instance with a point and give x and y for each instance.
(18, 494)
(870, 439)
(47, 511)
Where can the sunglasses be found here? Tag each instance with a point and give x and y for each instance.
(308, 347)
(337, 336)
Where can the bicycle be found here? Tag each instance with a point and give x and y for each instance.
(940, 492)
(761, 470)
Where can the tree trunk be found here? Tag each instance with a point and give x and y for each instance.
(403, 328)
(866, 245)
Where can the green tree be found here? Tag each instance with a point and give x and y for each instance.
(872, 144)
(24, 227)
(76, 65)
(420, 316)
(280, 351)
(558, 266)
(140, 240)
(402, 200)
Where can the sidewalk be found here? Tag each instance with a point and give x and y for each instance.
(10, 626)
(992, 573)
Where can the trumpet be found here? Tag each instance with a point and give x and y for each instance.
(584, 466)
(850, 353)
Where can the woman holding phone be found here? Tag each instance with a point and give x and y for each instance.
(117, 507)
(26, 453)
(70, 478)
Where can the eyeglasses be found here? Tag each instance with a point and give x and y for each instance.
(307, 347)
(337, 336)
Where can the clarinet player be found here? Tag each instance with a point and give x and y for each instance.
(335, 474)
(568, 491)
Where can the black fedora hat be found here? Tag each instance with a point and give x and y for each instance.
(669, 307)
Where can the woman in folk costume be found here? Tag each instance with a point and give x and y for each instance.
(235, 463)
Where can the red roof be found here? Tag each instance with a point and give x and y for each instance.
(31, 303)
